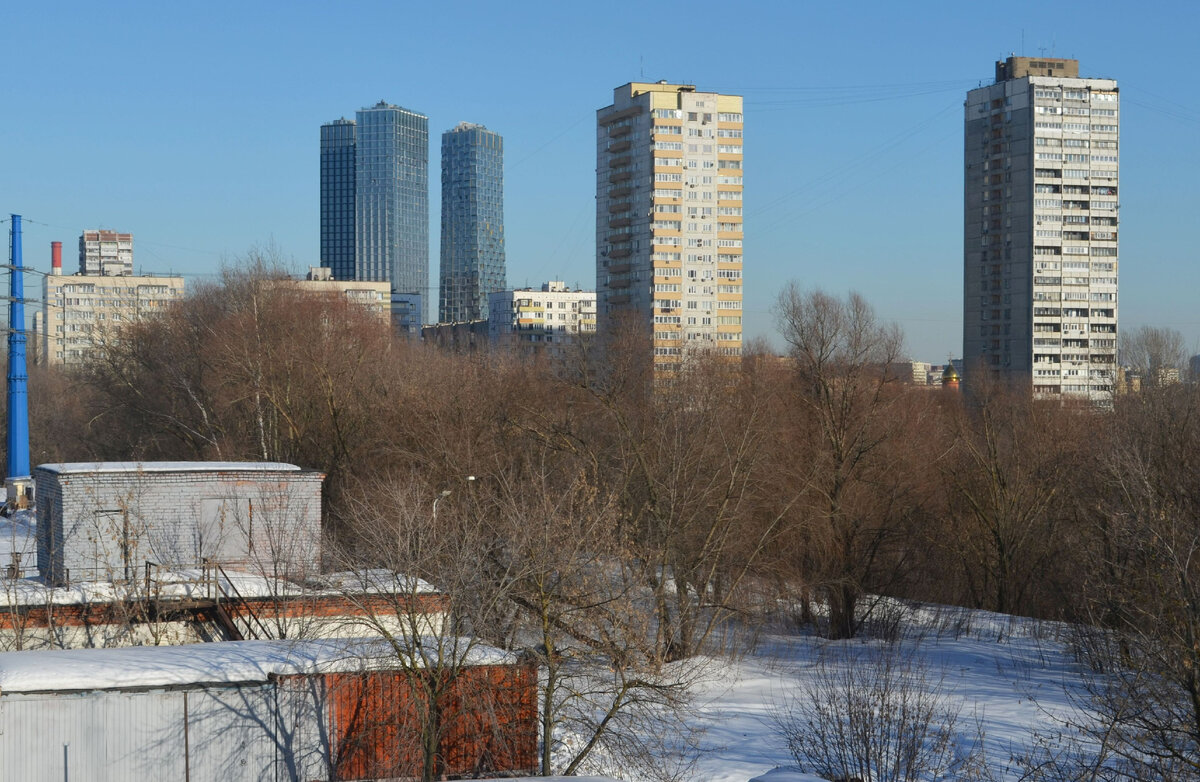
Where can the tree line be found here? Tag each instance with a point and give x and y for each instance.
(580, 509)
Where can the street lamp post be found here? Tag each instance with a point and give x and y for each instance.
(445, 493)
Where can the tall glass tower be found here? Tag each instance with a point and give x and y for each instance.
(337, 198)
(391, 209)
(472, 222)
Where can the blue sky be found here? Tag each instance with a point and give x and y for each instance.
(196, 127)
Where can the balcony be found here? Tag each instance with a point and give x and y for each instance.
(620, 252)
(619, 222)
(620, 268)
(619, 146)
(620, 176)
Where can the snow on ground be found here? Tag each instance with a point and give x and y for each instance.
(17, 536)
(993, 666)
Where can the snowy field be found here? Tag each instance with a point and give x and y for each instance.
(1005, 676)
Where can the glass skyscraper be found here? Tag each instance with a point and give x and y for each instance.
(472, 257)
(375, 198)
(337, 198)
(391, 210)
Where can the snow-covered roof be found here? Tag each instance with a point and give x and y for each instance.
(66, 468)
(224, 662)
(185, 583)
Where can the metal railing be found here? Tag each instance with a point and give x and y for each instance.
(232, 596)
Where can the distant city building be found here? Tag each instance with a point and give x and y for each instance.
(464, 336)
(81, 313)
(549, 319)
(911, 372)
(669, 218)
(472, 256)
(390, 180)
(407, 314)
(375, 297)
(105, 253)
(1040, 232)
(337, 198)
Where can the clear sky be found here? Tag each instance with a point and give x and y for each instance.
(196, 127)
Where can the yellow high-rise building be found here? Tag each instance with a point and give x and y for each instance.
(669, 218)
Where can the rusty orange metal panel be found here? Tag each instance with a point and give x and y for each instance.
(488, 723)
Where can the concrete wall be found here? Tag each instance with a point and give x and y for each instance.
(105, 523)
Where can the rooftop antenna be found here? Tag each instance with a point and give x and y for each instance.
(641, 67)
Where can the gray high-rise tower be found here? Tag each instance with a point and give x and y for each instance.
(337, 198)
(386, 220)
(391, 210)
(1040, 229)
(472, 222)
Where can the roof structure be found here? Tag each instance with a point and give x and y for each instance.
(224, 663)
(68, 468)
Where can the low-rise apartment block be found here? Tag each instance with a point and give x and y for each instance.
(81, 312)
(549, 319)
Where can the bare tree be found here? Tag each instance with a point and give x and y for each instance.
(872, 714)
(846, 403)
(419, 582)
(1143, 587)
(1009, 471)
(1155, 353)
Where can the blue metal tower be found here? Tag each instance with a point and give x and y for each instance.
(18, 399)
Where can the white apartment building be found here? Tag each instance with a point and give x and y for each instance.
(375, 297)
(105, 252)
(1040, 228)
(669, 218)
(81, 312)
(549, 319)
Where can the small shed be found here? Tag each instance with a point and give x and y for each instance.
(255, 710)
(104, 520)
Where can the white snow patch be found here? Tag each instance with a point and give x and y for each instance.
(226, 662)
(18, 535)
(994, 665)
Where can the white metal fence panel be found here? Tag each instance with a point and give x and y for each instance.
(231, 734)
(142, 734)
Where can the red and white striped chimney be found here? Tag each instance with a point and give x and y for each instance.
(56, 258)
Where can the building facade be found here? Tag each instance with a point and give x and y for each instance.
(337, 198)
(392, 197)
(104, 520)
(669, 218)
(549, 320)
(80, 313)
(472, 253)
(375, 297)
(1040, 229)
(106, 253)
(375, 198)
